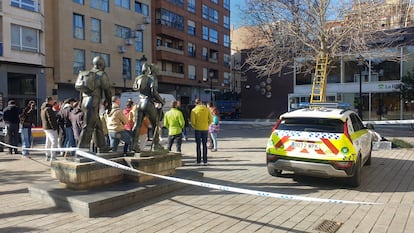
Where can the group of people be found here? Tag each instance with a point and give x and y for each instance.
(98, 117)
(13, 117)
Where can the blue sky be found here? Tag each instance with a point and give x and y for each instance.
(235, 14)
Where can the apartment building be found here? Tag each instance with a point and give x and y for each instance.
(78, 30)
(191, 41)
(22, 52)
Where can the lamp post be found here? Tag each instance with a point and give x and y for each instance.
(211, 85)
(360, 64)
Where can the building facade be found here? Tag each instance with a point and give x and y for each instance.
(22, 52)
(191, 41)
(78, 30)
(378, 89)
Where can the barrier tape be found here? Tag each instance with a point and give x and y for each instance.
(201, 184)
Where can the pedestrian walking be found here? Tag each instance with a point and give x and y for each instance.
(27, 120)
(174, 122)
(116, 125)
(50, 126)
(201, 118)
(214, 128)
(11, 122)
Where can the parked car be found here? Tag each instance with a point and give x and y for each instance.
(320, 141)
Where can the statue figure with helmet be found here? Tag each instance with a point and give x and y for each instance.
(97, 93)
(147, 86)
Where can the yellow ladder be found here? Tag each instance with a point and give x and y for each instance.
(319, 80)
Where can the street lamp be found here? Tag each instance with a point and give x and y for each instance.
(360, 64)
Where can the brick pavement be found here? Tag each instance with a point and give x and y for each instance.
(240, 162)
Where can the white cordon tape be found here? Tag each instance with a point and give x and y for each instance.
(220, 187)
(40, 149)
(197, 183)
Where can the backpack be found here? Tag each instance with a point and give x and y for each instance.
(85, 82)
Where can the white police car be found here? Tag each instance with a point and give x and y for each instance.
(320, 141)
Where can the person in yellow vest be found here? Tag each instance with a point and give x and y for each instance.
(174, 122)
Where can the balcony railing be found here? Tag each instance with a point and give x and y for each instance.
(171, 50)
(171, 74)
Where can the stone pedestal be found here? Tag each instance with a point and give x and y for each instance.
(88, 175)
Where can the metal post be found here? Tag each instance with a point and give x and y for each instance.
(361, 67)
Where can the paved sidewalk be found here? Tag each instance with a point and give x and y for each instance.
(240, 162)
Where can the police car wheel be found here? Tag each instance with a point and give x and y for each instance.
(355, 180)
(274, 172)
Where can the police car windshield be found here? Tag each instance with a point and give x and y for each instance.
(312, 125)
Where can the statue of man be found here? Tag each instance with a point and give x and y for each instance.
(147, 85)
(90, 104)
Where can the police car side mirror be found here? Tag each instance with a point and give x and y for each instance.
(370, 126)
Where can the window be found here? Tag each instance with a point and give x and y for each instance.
(191, 72)
(213, 15)
(95, 30)
(191, 6)
(78, 27)
(138, 66)
(205, 74)
(226, 79)
(105, 56)
(179, 3)
(205, 33)
(214, 1)
(122, 32)
(312, 124)
(78, 60)
(123, 3)
(226, 22)
(82, 2)
(226, 4)
(191, 27)
(102, 5)
(210, 14)
(21, 84)
(141, 8)
(205, 12)
(139, 42)
(213, 37)
(226, 42)
(205, 54)
(25, 39)
(126, 68)
(26, 4)
(226, 59)
(170, 19)
(191, 49)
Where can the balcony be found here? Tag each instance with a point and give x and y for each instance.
(169, 49)
(171, 74)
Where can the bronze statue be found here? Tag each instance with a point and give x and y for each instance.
(95, 91)
(146, 84)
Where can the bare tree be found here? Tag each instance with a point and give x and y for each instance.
(292, 29)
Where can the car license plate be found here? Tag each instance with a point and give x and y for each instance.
(305, 145)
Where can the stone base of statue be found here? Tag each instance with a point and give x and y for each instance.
(92, 189)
